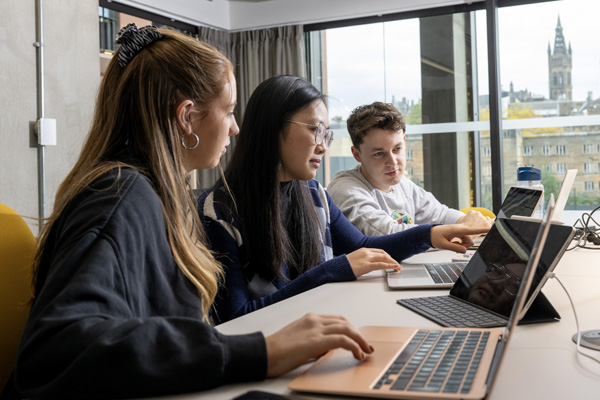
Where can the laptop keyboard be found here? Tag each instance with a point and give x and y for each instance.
(436, 361)
(445, 273)
(448, 311)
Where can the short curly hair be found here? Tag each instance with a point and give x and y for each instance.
(376, 115)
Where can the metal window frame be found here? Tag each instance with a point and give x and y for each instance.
(136, 12)
(491, 7)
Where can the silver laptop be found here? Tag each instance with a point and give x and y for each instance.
(561, 200)
(423, 363)
(484, 293)
(519, 203)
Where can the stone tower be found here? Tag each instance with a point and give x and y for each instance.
(559, 67)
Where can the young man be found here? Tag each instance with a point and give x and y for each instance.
(373, 195)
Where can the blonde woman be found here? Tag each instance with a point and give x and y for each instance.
(124, 282)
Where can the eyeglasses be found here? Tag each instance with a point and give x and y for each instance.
(496, 271)
(322, 134)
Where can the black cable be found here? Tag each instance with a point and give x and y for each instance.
(586, 234)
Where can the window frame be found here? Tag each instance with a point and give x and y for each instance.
(495, 123)
(143, 14)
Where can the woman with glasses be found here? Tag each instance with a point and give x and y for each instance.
(274, 228)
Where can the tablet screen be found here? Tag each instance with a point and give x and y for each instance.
(493, 276)
(520, 201)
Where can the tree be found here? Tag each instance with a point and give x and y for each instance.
(414, 116)
(519, 111)
(550, 186)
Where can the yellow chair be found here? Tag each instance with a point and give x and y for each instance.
(17, 245)
(482, 210)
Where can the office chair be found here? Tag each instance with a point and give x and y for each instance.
(482, 210)
(17, 245)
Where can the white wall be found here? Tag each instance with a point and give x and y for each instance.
(196, 12)
(248, 15)
(72, 74)
(243, 15)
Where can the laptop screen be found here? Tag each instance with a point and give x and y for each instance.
(493, 276)
(519, 201)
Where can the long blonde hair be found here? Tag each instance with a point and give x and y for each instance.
(136, 108)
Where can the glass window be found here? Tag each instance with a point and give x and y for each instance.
(546, 150)
(588, 168)
(555, 101)
(589, 186)
(111, 21)
(108, 21)
(434, 70)
(424, 67)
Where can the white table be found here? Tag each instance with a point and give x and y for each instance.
(540, 362)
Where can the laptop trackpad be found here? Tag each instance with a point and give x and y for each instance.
(414, 272)
(338, 371)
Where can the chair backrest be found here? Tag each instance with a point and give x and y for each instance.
(17, 245)
(482, 210)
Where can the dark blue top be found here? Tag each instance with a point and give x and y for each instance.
(245, 290)
(114, 316)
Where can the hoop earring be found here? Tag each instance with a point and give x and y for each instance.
(190, 147)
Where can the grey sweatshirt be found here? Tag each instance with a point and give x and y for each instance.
(375, 212)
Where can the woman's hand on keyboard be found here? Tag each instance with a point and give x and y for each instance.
(365, 260)
(310, 337)
(456, 237)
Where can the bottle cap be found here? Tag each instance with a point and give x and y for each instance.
(529, 174)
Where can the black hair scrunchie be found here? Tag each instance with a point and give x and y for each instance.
(134, 40)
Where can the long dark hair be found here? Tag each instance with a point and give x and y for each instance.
(271, 240)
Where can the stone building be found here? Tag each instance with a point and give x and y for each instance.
(559, 67)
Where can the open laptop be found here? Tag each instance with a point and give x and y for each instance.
(484, 293)
(424, 363)
(561, 200)
(519, 203)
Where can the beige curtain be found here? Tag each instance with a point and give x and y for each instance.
(256, 56)
(219, 39)
(264, 53)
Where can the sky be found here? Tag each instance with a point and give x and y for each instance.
(359, 72)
